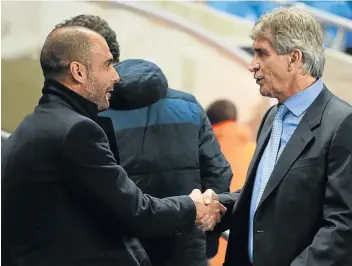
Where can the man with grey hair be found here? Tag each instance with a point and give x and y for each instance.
(296, 205)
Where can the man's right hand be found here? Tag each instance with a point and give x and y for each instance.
(208, 214)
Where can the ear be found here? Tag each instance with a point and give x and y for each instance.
(78, 72)
(296, 59)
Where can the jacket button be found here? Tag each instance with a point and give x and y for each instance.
(178, 233)
(260, 231)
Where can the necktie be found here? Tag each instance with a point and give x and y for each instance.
(273, 149)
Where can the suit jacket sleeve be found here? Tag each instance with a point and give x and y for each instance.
(94, 176)
(228, 200)
(332, 244)
(215, 170)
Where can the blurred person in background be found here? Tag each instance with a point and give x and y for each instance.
(65, 200)
(296, 205)
(234, 138)
(236, 145)
(167, 146)
(165, 143)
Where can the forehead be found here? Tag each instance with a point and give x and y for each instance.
(262, 44)
(101, 49)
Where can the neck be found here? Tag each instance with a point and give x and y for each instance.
(297, 85)
(76, 88)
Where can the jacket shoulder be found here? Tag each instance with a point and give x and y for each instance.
(266, 120)
(59, 119)
(340, 107)
(175, 94)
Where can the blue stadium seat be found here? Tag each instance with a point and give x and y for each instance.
(262, 7)
(238, 8)
(340, 8)
(348, 41)
(252, 10)
(219, 5)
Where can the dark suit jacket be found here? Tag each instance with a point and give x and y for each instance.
(305, 215)
(65, 201)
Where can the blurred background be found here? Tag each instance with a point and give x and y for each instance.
(202, 46)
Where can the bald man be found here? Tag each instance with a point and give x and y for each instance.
(65, 199)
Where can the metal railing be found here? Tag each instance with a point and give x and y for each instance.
(225, 235)
(235, 53)
(4, 135)
(328, 19)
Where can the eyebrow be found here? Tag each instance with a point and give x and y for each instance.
(260, 50)
(109, 61)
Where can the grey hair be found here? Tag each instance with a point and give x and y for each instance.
(289, 28)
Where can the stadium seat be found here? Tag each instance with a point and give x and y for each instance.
(242, 9)
(340, 8)
(262, 7)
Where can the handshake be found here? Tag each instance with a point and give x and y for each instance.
(209, 209)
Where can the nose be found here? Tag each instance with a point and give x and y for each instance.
(253, 66)
(116, 76)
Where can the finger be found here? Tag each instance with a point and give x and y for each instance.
(214, 210)
(208, 196)
(217, 205)
(209, 224)
(222, 208)
(209, 227)
(196, 192)
(218, 218)
(202, 219)
(205, 219)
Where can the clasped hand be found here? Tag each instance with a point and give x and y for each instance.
(209, 209)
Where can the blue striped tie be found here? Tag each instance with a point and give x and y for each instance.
(273, 149)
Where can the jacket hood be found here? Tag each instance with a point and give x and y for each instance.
(142, 83)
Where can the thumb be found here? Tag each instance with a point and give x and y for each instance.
(222, 209)
(208, 196)
(196, 192)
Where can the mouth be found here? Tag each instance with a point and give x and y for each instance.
(108, 92)
(259, 81)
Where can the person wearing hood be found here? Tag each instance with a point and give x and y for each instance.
(168, 148)
(165, 143)
(65, 198)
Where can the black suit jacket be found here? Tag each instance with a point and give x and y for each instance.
(304, 217)
(65, 201)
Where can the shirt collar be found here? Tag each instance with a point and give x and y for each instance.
(299, 103)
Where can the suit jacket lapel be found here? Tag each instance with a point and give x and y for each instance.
(261, 144)
(264, 134)
(301, 137)
(263, 137)
(299, 140)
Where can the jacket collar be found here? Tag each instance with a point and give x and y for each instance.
(54, 91)
(303, 135)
